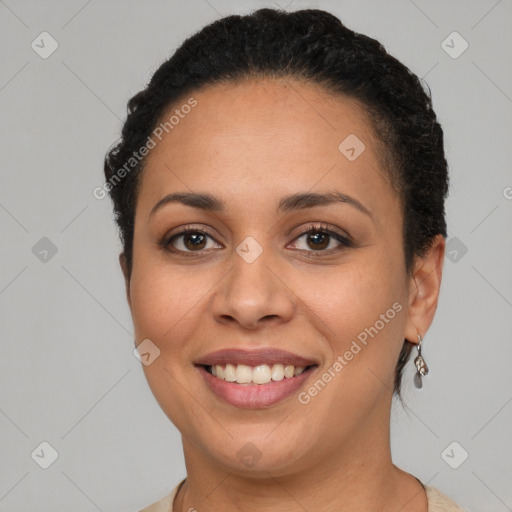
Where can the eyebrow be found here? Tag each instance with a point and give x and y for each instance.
(294, 202)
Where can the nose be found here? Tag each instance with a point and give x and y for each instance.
(253, 295)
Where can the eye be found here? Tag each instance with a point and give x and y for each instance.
(320, 238)
(189, 240)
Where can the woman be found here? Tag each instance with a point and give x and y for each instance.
(279, 190)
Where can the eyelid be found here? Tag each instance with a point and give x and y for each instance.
(183, 230)
(324, 227)
(344, 240)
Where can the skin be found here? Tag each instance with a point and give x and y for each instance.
(250, 144)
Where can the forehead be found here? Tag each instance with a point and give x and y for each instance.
(265, 138)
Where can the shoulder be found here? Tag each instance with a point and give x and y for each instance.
(439, 502)
(164, 504)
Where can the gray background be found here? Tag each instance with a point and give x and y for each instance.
(68, 374)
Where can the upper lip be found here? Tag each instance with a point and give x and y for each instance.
(254, 357)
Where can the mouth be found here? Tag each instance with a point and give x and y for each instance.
(254, 378)
(254, 387)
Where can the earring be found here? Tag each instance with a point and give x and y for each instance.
(421, 366)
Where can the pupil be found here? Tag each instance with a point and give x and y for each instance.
(322, 236)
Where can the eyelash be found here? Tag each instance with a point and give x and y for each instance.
(166, 242)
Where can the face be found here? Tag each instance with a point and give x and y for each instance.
(262, 267)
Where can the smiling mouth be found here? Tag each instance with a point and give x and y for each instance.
(260, 374)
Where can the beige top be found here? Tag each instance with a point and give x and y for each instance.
(437, 501)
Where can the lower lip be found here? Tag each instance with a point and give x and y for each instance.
(252, 396)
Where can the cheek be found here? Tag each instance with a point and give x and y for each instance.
(165, 310)
(358, 292)
(360, 308)
(166, 300)
(153, 304)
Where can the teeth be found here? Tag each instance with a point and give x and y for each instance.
(230, 373)
(288, 371)
(277, 372)
(262, 374)
(243, 374)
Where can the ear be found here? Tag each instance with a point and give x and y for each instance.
(126, 274)
(424, 287)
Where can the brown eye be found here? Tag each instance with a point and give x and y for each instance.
(194, 241)
(190, 240)
(318, 240)
(321, 239)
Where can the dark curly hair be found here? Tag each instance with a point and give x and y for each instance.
(307, 45)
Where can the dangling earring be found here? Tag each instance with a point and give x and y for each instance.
(421, 366)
